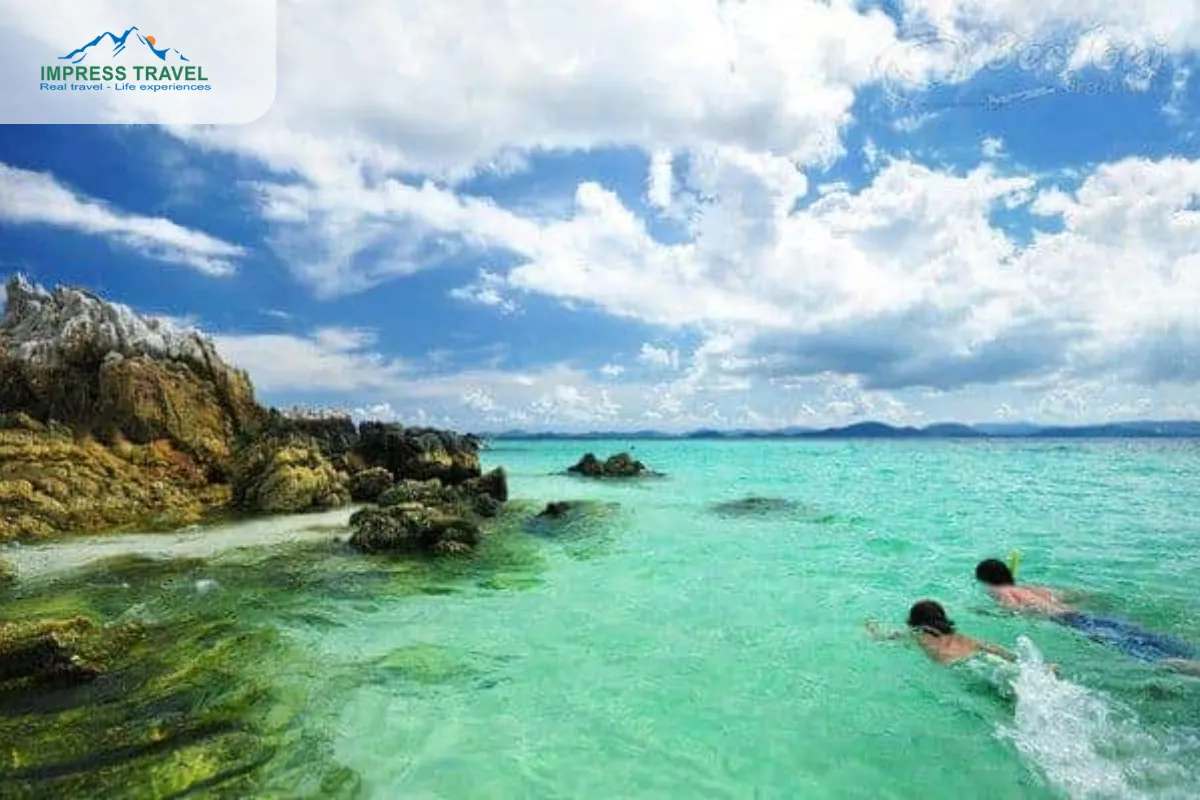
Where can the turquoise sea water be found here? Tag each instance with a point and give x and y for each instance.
(662, 650)
(678, 653)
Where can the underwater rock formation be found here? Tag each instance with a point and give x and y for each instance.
(55, 652)
(621, 465)
(754, 505)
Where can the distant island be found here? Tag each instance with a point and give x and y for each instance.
(1138, 429)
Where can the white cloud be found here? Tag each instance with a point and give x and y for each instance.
(612, 370)
(31, 198)
(327, 360)
(486, 291)
(821, 305)
(659, 181)
(991, 147)
(658, 356)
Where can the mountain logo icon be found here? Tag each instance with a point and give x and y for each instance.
(130, 44)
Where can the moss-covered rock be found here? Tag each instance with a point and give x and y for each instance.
(58, 652)
(483, 495)
(8, 573)
(367, 485)
(493, 483)
(430, 493)
(287, 475)
(412, 528)
(620, 465)
(419, 453)
(52, 482)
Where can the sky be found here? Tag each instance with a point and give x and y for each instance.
(620, 215)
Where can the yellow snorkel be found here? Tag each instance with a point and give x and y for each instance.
(1014, 561)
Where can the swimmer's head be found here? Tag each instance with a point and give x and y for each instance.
(994, 573)
(929, 615)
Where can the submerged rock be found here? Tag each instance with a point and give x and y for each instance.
(557, 509)
(8, 573)
(759, 506)
(621, 465)
(55, 652)
(287, 476)
(753, 505)
(412, 528)
(367, 486)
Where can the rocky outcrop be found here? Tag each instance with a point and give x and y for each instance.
(621, 465)
(335, 434)
(412, 528)
(287, 475)
(54, 482)
(419, 453)
(367, 486)
(111, 420)
(429, 516)
(99, 368)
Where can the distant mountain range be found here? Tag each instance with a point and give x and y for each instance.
(1139, 429)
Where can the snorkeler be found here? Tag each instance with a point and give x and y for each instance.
(936, 634)
(1124, 636)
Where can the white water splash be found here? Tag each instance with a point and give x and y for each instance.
(1086, 745)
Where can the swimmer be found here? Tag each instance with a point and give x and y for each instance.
(1003, 587)
(938, 637)
(1124, 636)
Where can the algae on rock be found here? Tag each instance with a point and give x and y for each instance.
(369, 484)
(412, 528)
(287, 475)
(52, 482)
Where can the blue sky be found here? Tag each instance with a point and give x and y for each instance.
(729, 216)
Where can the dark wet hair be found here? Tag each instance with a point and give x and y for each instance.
(994, 572)
(930, 615)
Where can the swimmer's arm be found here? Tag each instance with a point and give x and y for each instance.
(988, 647)
(875, 633)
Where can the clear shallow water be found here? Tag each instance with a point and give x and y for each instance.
(667, 651)
(689, 655)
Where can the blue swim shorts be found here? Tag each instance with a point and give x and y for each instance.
(1127, 637)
